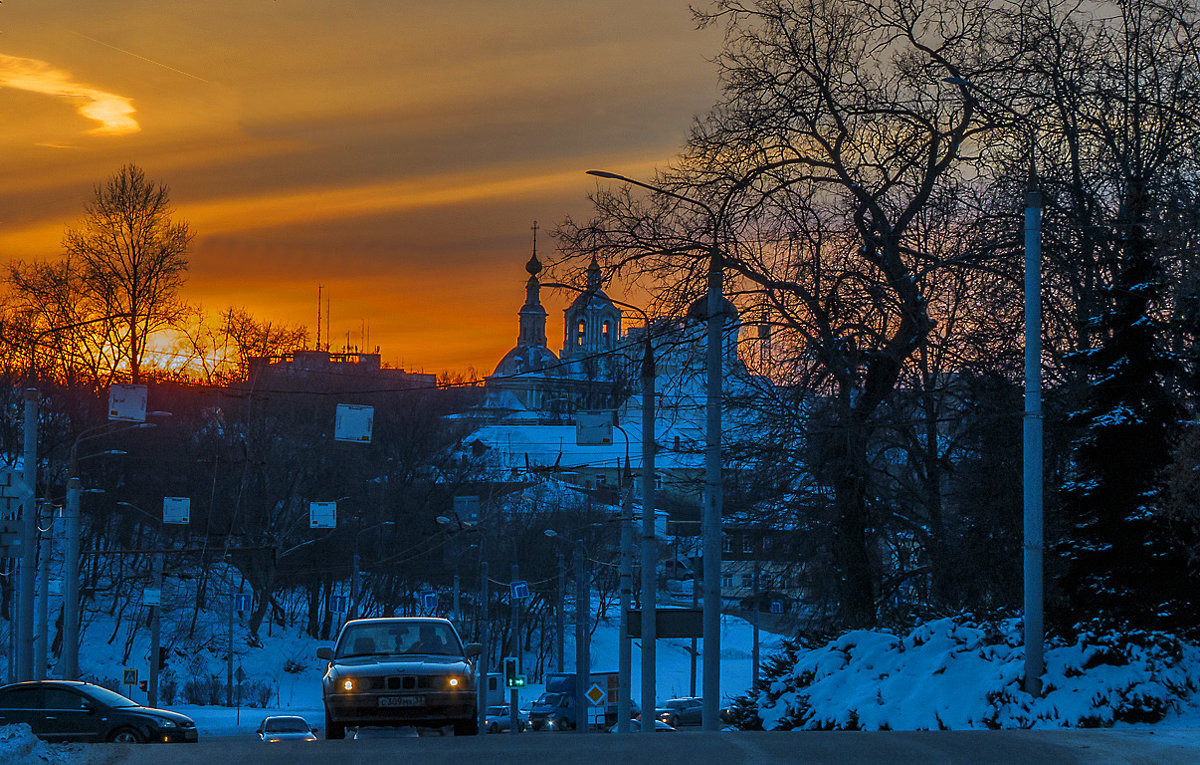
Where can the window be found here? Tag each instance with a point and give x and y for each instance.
(580, 333)
(606, 334)
(601, 480)
(61, 698)
(747, 544)
(726, 543)
(658, 481)
(726, 580)
(21, 698)
(747, 580)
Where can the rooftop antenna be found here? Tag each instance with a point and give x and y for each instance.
(319, 286)
(328, 337)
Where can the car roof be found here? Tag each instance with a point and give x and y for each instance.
(49, 684)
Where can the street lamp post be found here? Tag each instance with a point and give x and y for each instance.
(71, 605)
(710, 527)
(1031, 422)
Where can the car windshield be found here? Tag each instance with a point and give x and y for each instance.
(286, 725)
(550, 700)
(395, 638)
(106, 697)
(497, 711)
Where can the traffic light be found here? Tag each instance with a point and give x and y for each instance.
(142, 685)
(512, 676)
(162, 656)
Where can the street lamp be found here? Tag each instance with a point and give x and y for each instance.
(482, 626)
(71, 620)
(354, 574)
(649, 541)
(1032, 418)
(710, 528)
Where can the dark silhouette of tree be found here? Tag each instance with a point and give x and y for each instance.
(133, 256)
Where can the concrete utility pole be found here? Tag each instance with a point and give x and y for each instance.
(514, 700)
(229, 657)
(562, 596)
(71, 621)
(624, 644)
(583, 608)
(649, 540)
(1032, 452)
(757, 616)
(156, 631)
(41, 639)
(28, 541)
(484, 638)
(457, 603)
(711, 522)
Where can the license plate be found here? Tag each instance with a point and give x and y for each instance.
(401, 701)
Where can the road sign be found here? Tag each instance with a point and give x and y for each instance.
(151, 597)
(353, 423)
(240, 675)
(10, 538)
(177, 510)
(339, 604)
(127, 403)
(669, 623)
(519, 589)
(243, 601)
(429, 601)
(777, 606)
(596, 694)
(129, 676)
(322, 515)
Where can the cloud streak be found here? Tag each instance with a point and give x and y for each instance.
(113, 112)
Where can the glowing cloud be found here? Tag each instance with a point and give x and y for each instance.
(113, 112)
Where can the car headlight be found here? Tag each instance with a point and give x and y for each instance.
(164, 723)
(346, 685)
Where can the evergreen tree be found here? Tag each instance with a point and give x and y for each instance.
(1124, 562)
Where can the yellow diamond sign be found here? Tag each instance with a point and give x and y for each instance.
(595, 694)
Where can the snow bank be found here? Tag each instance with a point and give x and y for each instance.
(959, 675)
(18, 746)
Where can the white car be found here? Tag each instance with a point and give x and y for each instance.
(278, 728)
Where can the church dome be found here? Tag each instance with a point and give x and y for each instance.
(529, 360)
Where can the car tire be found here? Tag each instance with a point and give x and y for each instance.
(494, 728)
(469, 727)
(333, 730)
(673, 721)
(126, 736)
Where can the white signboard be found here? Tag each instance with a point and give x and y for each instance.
(151, 597)
(127, 403)
(353, 423)
(177, 510)
(593, 428)
(322, 515)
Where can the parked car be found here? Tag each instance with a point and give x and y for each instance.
(278, 728)
(399, 671)
(68, 710)
(682, 711)
(499, 719)
(635, 726)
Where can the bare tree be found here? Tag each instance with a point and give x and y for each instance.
(133, 256)
(834, 135)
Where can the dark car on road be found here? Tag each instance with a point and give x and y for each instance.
(278, 728)
(683, 711)
(399, 671)
(65, 710)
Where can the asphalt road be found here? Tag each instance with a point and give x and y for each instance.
(1093, 747)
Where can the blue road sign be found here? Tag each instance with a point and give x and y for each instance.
(339, 604)
(519, 589)
(243, 601)
(429, 601)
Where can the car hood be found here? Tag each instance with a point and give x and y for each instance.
(410, 663)
(297, 736)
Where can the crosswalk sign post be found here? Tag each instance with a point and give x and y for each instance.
(129, 676)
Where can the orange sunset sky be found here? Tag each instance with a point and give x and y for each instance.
(395, 151)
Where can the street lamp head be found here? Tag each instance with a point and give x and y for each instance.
(160, 413)
(550, 533)
(963, 81)
(605, 174)
(443, 520)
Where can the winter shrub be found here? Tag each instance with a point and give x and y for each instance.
(168, 688)
(956, 674)
(216, 690)
(294, 666)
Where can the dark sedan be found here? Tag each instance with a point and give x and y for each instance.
(397, 672)
(684, 711)
(65, 710)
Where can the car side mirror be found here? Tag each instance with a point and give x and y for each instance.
(471, 650)
(313, 728)
(325, 652)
